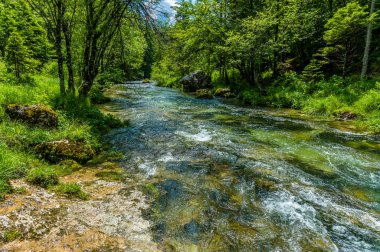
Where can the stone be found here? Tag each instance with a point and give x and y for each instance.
(36, 115)
(57, 151)
(204, 94)
(195, 81)
(224, 92)
(346, 115)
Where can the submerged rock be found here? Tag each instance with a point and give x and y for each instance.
(65, 149)
(36, 115)
(192, 228)
(224, 92)
(204, 94)
(195, 81)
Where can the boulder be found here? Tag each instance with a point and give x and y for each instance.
(36, 115)
(196, 81)
(346, 115)
(65, 149)
(224, 92)
(204, 94)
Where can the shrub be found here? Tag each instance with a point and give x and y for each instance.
(71, 190)
(5, 188)
(43, 176)
(369, 102)
(253, 97)
(323, 106)
(76, 108)
(97, 96)
(3, 70)
(113, 75)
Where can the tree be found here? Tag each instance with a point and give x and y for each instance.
(17, 16)
(52, 12)
(17, 54)
(343, 36)
(368, 42)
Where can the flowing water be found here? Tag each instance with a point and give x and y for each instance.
(229, 178)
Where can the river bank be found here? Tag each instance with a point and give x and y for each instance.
(55, 200)
(109, 220)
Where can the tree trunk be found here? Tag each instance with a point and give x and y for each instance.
(67, 33)
(367, 44)
(58, 47)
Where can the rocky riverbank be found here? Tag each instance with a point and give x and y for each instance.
(111, 219)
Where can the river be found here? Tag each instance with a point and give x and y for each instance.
(230, 178)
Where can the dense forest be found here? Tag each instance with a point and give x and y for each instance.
(74, 40)
(319, 56)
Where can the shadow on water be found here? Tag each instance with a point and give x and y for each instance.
(229, 178)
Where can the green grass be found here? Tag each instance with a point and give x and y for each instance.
(43, 176)
(10, 235)
(70, 190)
(110, 175)
(324, 98)
(78, 121)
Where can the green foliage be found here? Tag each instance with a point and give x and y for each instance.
(114, 75)
(17, 16)
(3, 70)
(5, 188)
(10, 235)
(77, 108)
(97, 96)
(313, 71)
(13, 164)
(71, 190)
(18, 56)
(43, 176)
(369, 103)
(344, 36)
(323, 106)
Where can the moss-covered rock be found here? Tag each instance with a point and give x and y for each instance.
(204, 94)
(224, 92)
(36, 115)
(195, 81)
(59, 150)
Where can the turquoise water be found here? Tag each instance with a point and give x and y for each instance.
(229, 178)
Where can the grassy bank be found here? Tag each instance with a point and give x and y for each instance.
(78, 121)
(334, 98)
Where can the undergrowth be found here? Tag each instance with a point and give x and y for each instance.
(78, 119)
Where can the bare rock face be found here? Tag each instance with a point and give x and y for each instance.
(36, 115)
(204, 94)
(195, 81)
(60, 150)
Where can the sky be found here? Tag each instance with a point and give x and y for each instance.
(165, 6)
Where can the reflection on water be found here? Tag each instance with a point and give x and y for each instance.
(228, 178)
